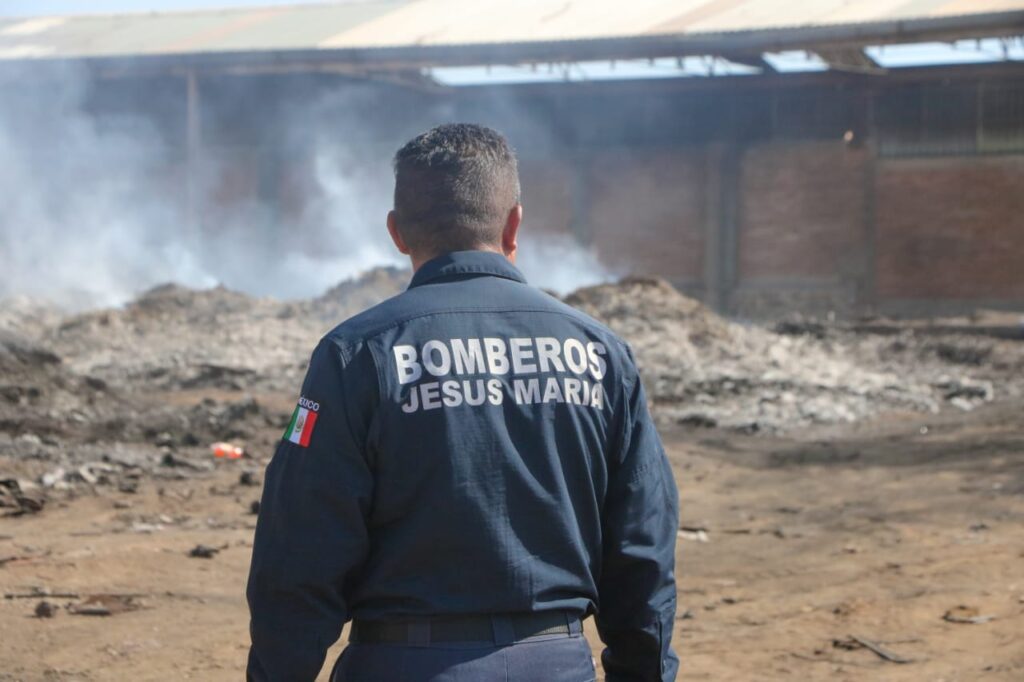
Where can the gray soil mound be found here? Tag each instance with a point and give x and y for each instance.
(113, 394)
(185, 367)
(172, 337)
(39, 394)
(703, 370)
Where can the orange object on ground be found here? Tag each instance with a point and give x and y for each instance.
(227, 450)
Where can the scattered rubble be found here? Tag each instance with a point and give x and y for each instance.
(40, 395)
(703, 371)
(18, 498)
(966, 615)
(696, 534)
(854, 642)
(173, 338)
(205, 551)
(38, 591)
(105, 400)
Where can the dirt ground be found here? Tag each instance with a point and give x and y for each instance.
(792, 549)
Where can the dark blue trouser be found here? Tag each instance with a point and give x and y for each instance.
(551, 658)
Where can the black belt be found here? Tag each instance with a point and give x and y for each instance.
(500, 629)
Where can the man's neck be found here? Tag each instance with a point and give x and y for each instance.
(418, 259)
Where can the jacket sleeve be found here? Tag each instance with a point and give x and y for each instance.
(311, 534)
(636, 591)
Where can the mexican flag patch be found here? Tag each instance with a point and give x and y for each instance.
(300, 428)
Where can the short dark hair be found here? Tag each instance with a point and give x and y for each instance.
(454, 188)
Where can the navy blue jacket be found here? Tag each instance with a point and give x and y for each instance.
(470, 446)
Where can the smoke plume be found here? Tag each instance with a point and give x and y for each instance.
(96, 202)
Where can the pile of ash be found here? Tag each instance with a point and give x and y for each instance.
(104, 397)
(40, 394)
(28, 317)
(703, 370)
(187, 367)
(172, 337)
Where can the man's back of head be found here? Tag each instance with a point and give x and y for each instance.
(456, 189)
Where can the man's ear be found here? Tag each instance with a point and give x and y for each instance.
(510, 233)
(396, 236)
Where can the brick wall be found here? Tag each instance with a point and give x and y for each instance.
(647, 211)
(802, 209)
(951, 228)
(547, 186)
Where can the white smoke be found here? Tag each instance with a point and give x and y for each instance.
(77, 225)
(560, 263)
(95, 206)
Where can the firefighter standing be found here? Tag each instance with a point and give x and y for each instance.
(470, 470)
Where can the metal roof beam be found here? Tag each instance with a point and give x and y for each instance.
(415, 57)
(850, 59)
(756, 61)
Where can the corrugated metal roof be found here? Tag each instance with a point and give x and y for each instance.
(408, 24)
(440, 22)
(297, 27)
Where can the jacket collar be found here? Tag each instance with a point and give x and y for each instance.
(458, 263)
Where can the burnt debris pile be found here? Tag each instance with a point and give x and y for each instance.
(111, 397)
(703, 370)
(108, 397)
(173, 338)
(39, 393)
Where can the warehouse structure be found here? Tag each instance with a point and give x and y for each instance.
(762, 155)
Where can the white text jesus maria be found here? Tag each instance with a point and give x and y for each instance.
(499, 357)
(431, 395)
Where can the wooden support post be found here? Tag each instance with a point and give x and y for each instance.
(580, 198)
(868, 291)
(193, 142)
(721, 224)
